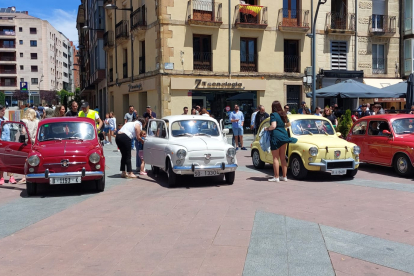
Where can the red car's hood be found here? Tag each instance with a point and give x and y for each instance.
(64, 148)
(407, 138)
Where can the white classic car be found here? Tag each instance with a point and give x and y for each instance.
(189, 145)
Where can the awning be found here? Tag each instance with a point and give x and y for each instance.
(381, 83)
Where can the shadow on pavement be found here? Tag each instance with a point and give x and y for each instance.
(47, 191)
(369, 168)
(14, 187)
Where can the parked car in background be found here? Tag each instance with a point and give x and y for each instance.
(189, 145)
(319, 148)
(386, 140)
(66, 151)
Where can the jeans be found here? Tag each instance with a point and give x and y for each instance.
(133, 143)
(123, 142)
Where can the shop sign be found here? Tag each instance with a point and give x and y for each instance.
(203, 84)
(389, 100)
(135, 87)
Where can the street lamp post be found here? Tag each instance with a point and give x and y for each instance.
(313, 36)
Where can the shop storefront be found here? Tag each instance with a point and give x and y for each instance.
(219, 96)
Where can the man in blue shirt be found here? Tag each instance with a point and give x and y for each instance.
(237, 121)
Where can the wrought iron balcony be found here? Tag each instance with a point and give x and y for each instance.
(8, 82)
(7, 58)
(202, 61)
(248, 63)
(382, 25)
(340, 23)
(121, 30)
(378, 66)
(293, 20)
(8, 33)
(204, 13)
(292, 64)
(139, 19)
(108, 39)
(251, 17)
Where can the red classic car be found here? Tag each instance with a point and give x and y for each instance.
(386, 140)
(65, 151)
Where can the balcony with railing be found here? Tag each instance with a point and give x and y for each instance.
(122, 30)
(125, 70)
(340, 23)
(251, 17)
(378, 66)
(248, 63)
(8, 69)
(6, 57)
(202, 61)
(139, 19)
(142, 65)
(6, 45)
(108, 39)
(293, 20)
(292, 64)
(382, 25)
(7, 82)
(111, 74)
(204, 13)
(7, 33)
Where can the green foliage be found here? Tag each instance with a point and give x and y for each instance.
(3, 99)
(63, 97)
(345, 123)
(293, 111)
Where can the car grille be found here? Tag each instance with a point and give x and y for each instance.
(340, 165)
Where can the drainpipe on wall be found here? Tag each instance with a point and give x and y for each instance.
(356, 36)
(230, 39)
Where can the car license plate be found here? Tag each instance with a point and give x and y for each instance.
(65, 180)
(338, 172)
(205, 173)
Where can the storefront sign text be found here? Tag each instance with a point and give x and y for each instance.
(201, 84)
(389, 100)
(135, 87)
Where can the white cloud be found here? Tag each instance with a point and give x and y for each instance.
(65, 22)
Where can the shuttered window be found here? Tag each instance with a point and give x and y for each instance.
(339, 55)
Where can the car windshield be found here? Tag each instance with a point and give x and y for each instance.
(403, 126)
(311, 127)
(194, 128)
(66, 131)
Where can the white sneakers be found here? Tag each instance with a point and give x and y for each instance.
(278, 179)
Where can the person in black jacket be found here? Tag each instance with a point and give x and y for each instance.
(365, 111)
(260, 117)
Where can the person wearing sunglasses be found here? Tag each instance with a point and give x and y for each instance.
(286, 108)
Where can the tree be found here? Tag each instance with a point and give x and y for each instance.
(63, 96)
(20, 96)
(345, 123)
(3, 99)
(48, 96)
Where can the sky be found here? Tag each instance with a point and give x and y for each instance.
(60, 13)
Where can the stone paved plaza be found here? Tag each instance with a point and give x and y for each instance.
(322, 226)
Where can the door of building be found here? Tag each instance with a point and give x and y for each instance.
(293, 96)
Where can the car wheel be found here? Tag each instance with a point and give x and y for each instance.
(31, 188)
(402, 165)
(155, 170)
(352, 173)
(172, 177)
(297, 168)
(230, 177)
(257, 162)
(100, 184)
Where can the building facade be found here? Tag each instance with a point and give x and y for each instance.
(31, 51)
(75, 67)
(92, 57)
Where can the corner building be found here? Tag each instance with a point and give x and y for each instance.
(207, 53)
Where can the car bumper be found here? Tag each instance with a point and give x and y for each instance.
(329, 165)
(222, 168)
(44, 177)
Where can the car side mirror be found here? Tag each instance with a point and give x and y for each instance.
(386, 132)
(22, 139)
(226, 131)
(338, 134)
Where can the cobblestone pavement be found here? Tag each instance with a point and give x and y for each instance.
(325, 225)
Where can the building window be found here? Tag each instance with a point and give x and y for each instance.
(21, 54)
(34, 68)
(339, 51)
(293, 96)
(65, 75)
(35, 81)
(65, 55)
(378, 59)
(21, 67)
(248, 55)
(33, 56)
(291, 56)
(21, 79)
(21, 42)
(142, 57)
(65, 65)
(125, 64)
(202, 56)
(378, 11)
(20, 29)
(33, 43)
(407, 57)
(33, 31)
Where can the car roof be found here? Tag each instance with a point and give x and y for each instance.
(65, 119)
(293, 117)
(187, 117)
(387, 116)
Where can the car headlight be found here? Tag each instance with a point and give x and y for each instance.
(357, 150)
(94, 158)
(33, 160)
(313, 151)
(231, 152)
(181, 154)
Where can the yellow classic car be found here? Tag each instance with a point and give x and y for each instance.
(318, 148)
